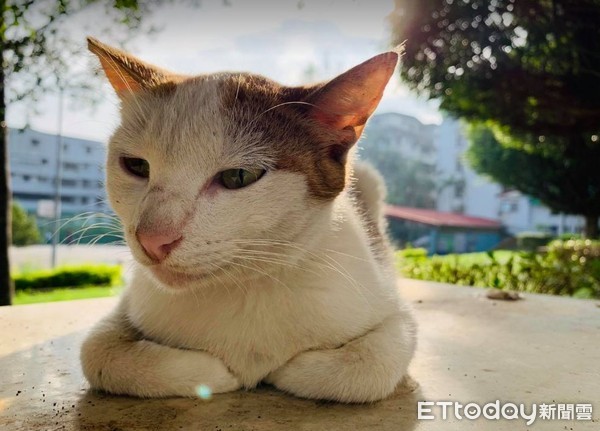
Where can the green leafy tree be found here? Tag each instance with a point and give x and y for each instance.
(36, 53)
(409, 182)
(24, 227)
(561, 180)
(528, 69)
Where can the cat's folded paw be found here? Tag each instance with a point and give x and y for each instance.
(226, 383)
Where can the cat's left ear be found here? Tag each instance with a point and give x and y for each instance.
(345, 103)
(126, 73)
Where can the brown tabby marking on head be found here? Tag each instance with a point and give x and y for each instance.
(277, 115)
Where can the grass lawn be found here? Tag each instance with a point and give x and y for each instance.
(501, 256)
(65, 294)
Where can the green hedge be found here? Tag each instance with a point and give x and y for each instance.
(531, 241)
(567, 268)
(70, 276)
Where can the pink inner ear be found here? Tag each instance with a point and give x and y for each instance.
(122, 82)
(349, 99)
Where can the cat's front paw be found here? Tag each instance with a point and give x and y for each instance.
(225, 383)
(202, 374)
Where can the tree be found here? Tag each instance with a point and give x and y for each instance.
(35, 54)
(528, 69)
(24, 227)
(409, 182)
(561, 180)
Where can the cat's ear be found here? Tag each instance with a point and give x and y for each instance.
(346, 102)
(126, 73)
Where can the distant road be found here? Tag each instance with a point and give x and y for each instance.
(38, 256)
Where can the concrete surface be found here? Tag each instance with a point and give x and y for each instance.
(471, 349)
(40, 256)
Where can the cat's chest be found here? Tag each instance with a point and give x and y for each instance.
(255, 331)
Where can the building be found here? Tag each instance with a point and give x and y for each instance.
(33, 164)
(521, 213)
(404, 150)
(402, 134)
(443, 232)
(462, 190)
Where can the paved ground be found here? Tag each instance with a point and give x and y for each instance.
(39, 256)
(471, 349)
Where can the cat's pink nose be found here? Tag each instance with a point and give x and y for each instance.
(158, 246)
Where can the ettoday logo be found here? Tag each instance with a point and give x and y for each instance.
(430, 410)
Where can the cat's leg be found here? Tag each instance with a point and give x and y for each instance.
(116, 360)
(366, 369)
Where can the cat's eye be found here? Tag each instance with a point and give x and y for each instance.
(238, 178)
(136, 166)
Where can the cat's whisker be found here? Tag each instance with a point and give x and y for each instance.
(93, 241)
(232, 278)
(279, 263)
(293, 102)
(237, 93)
(82, 231)
(266, 274)
(324, 260)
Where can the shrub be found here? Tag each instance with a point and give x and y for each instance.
(531, 241)
(568, 268)
(70, 276)
(24, 227)
(568, 236)
(412, 253)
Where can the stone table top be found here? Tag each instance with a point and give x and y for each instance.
(541, 349)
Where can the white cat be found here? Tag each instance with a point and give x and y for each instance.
(260, 251)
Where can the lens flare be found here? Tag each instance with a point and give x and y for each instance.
(204, 392)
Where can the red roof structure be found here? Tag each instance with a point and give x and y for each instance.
(441, 219)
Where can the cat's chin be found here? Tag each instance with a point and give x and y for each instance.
(173, 279)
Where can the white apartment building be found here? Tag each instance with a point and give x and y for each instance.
(401, 138)
(33, 164)
(464, 191)
(403, 134)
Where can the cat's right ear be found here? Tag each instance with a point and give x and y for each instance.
(126, 73)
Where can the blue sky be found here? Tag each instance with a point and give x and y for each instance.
(279, 39)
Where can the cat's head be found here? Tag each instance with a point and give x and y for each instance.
(215, 174)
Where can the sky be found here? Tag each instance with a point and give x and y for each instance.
(290, 41)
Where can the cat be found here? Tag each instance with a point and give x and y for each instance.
(259, 244)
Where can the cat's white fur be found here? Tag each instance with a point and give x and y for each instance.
(315, 311)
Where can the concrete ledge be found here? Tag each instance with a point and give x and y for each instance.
(471, 349)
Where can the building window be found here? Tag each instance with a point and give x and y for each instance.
(26, 177)
(84, 200)
(35, 142)
(509, 207)
(458, 165)
(44, 161)
(69, 183)
(70, 166)
(42, 179)
(86, 184)
(88, 150)
(459, 189)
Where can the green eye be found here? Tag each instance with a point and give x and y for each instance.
(238, 178)
(136, 167)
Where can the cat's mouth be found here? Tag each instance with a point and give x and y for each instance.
(174, 278)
